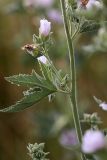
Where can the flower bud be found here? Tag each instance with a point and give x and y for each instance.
(93, 141)
(45, 28)
(36, 151)
(42, 59)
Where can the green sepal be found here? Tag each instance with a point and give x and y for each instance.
(49, 74)
(36, 39)
(45, 70)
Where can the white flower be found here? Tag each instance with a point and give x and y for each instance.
(42, 59)
(45, 27)
(103, 105)
(93, 141)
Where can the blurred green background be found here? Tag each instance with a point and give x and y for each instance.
(45, 122)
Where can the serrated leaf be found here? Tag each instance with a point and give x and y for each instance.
(30, 80)
(24, 79)
(29, 100)
(90, 26)
(31, 90)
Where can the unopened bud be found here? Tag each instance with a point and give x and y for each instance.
(45, 28)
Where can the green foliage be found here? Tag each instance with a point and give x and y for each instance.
(99, 42)
(90, 26)
(36, 39)
(36, 151)
(39, 88)
(72, 3)
(30, 80)
(51, 75)
(30, 98)
(45, 69)
(92, 119)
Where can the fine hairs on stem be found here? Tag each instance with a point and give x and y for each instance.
(73, 76)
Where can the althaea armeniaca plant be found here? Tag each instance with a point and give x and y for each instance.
(76, 20)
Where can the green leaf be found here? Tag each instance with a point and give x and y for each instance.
(30, 80)
(90, 26)
(49, 74)
(30, 99)
(45, 82)
(45, 70)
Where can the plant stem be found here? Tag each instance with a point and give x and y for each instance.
(73, 77)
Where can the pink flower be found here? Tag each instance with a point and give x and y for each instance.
(44, 3)
(38, 3)
(42, 59)
(92, 141)
(68, 138)
(45, 27)
(103, 105)
(55, 15)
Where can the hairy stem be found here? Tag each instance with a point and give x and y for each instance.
(73, 76)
